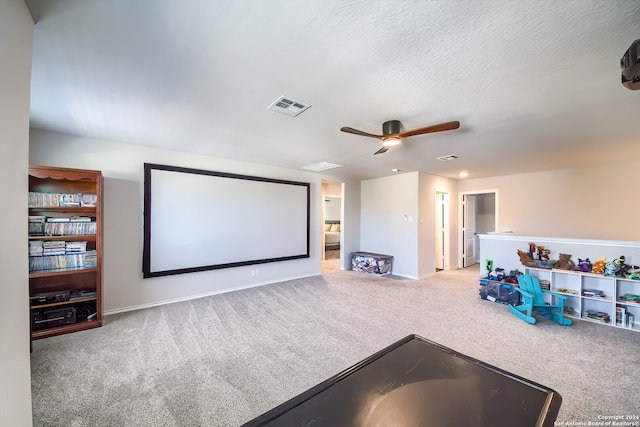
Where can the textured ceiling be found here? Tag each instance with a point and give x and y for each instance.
(535, 84)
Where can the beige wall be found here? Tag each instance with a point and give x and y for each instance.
(596, 202)
(16, 40)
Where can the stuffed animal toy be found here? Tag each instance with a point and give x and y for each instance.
(583, 265)
(599, 265)
(564, 262)
(623, 267)
(610, 268)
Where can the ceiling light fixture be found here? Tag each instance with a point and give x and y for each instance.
(464, 174)
(391, 141)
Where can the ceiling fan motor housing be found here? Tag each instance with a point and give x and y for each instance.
(391, 127)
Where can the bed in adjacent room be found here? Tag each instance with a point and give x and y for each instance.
(332, 234)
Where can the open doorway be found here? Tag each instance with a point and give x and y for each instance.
(332, 214)
(478, 214)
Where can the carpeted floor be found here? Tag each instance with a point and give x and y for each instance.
(223, 360)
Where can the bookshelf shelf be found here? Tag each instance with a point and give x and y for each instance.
(65, 223)
(74, 237)
(61, 272)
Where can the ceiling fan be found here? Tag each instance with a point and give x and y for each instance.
(391, 135)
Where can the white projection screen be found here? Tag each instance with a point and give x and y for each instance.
(196, 220)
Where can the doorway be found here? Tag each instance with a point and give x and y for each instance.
(332, 226)
(478, 214)
(441, 230)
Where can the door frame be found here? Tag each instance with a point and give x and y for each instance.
(461, 195)
(322, 216)
(446, 209)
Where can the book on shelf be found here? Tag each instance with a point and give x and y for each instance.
(621, 316)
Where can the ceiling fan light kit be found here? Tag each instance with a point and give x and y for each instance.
(391, 141)
(392, 135)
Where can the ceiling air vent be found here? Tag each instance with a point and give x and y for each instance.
(288, 106)
(448, 157)
(322, 166)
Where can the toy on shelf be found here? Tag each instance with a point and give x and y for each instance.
(597, 315)
(634, 276)
(543, 253)
(623, 267)
(630, 298)
(528, 261)
(610, 268)
(532, 250)
(564, 262)
(593, 293)
(599, 265)
(583, 265)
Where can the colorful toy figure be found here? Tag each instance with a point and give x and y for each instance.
(488, 265)
(583, 265)
(623, 267)
(532, 250)
(599, 265)
(610, 268)
(543, 254)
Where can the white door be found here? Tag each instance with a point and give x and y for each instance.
(469, 230)
(440, 230)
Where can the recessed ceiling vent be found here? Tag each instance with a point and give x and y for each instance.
(321, 166)
(446, 158)
(288, 106)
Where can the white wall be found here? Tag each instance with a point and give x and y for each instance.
(429, 185)
(389, 220)
(122, 167)
(16, 41)
(398, 218)
(598, 202)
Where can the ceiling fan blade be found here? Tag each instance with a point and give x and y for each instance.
(359, 132)
(431, 129)
(382, 150)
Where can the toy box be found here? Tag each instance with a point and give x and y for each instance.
(371, 263)
(501, 292)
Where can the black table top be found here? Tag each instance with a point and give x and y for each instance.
(417, 382)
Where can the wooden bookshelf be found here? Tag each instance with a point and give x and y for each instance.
(64, 196)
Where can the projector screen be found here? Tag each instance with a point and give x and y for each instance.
(196, 220)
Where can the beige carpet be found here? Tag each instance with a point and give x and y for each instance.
(223, 360)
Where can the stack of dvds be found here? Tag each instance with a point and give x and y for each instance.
(90, 259)
(36, 225)
(53, 247)
(75, 247)
(35, 248)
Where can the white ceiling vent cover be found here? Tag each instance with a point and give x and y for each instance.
(289, 106)
(321, 166)
(448, 157)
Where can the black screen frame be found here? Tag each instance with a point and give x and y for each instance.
(148, 216)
